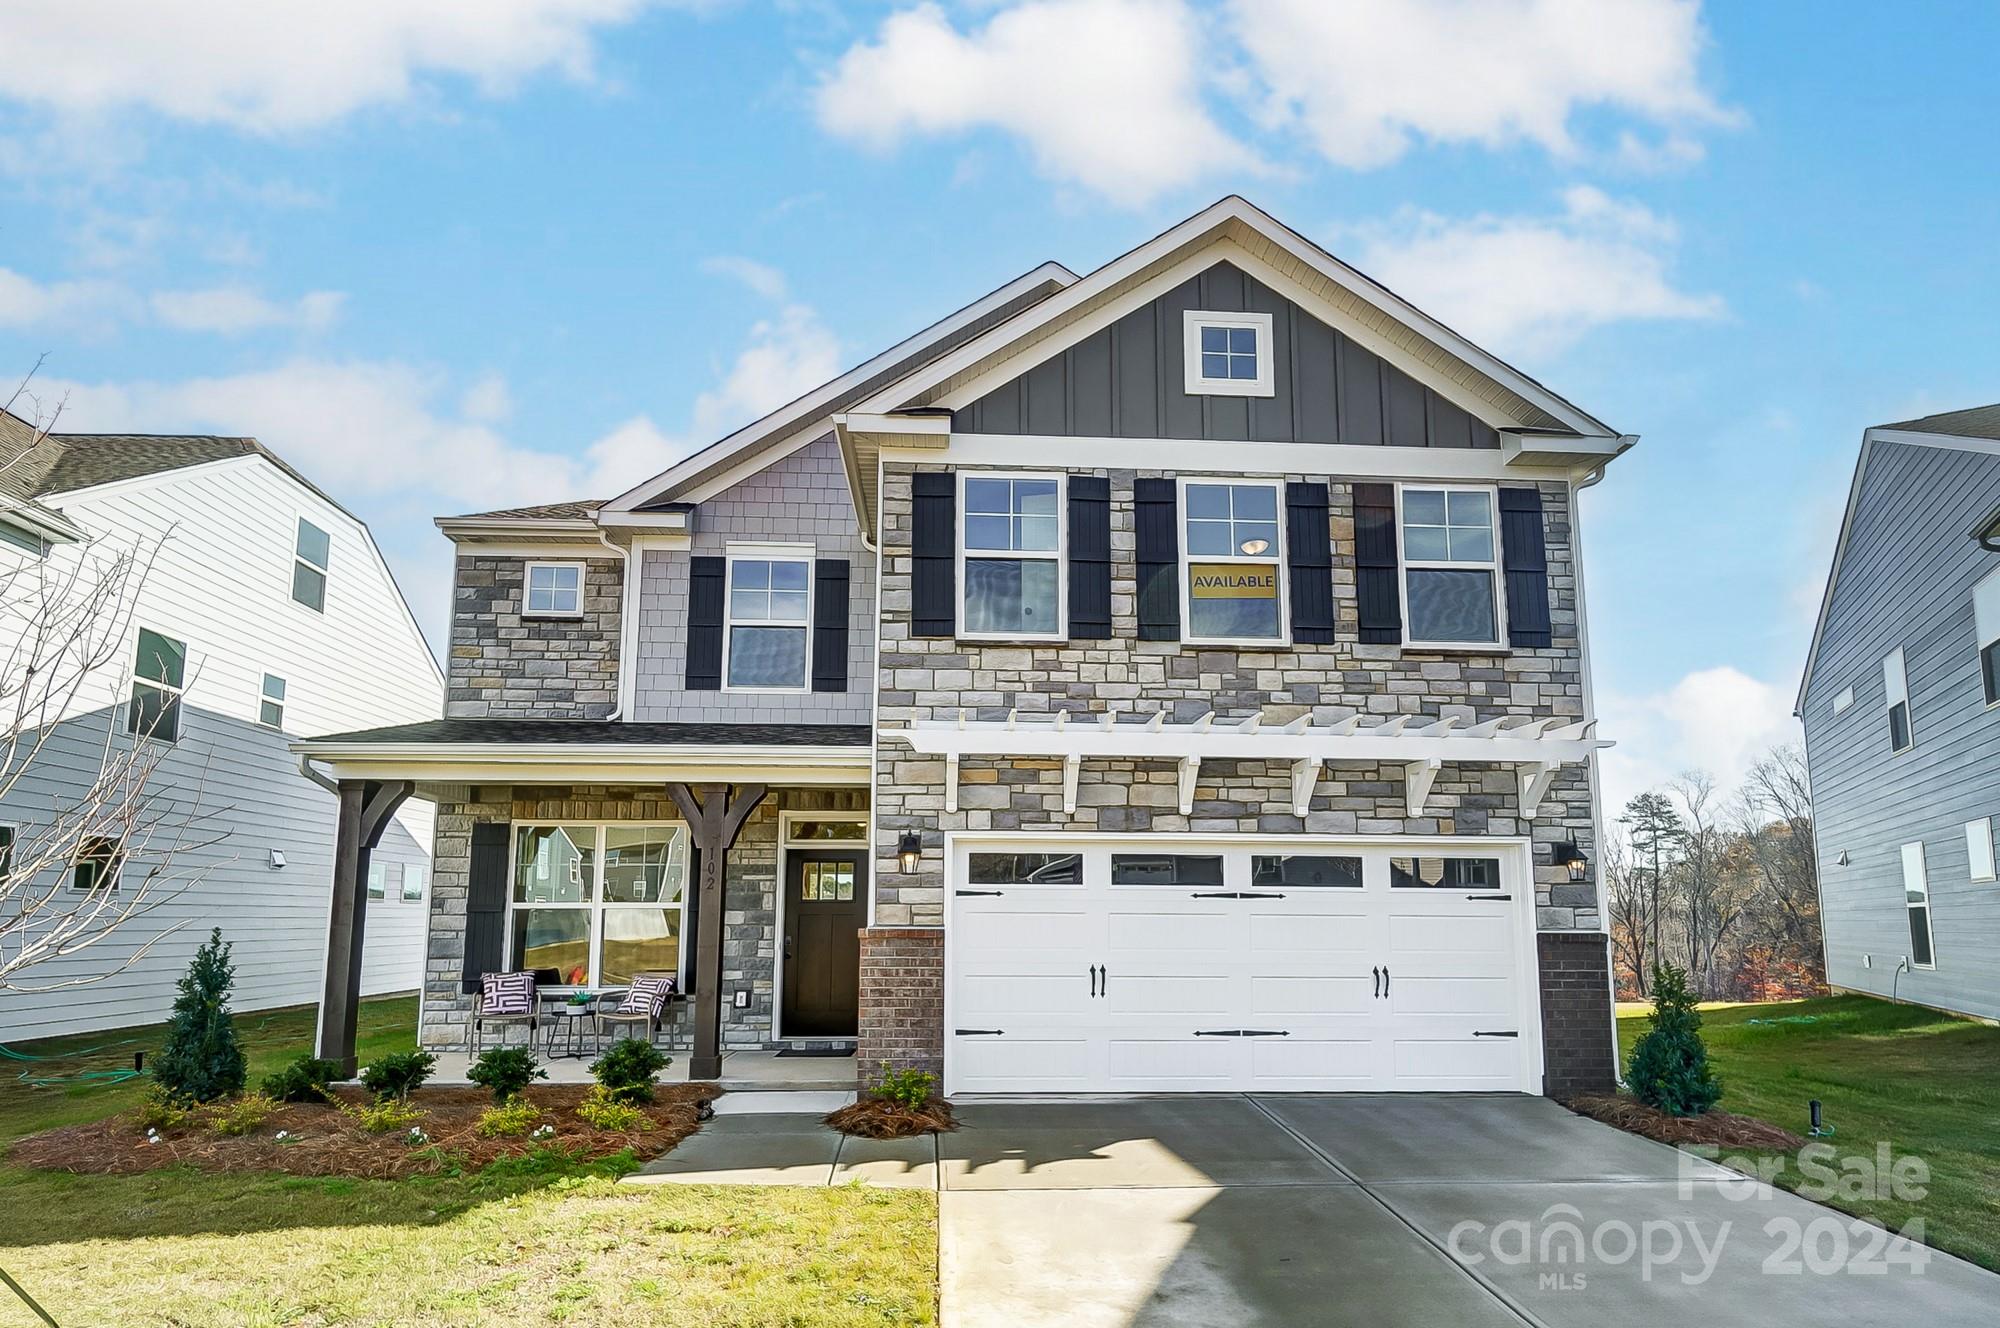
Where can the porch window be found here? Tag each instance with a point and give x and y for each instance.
(1230, 562)
(598, 903)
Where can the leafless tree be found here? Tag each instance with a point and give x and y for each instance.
(1631, 900)
(1707, 895)
(72, 876)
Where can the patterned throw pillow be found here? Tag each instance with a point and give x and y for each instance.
(506, 993)
(647, 996)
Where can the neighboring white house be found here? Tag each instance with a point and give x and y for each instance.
(267, 611)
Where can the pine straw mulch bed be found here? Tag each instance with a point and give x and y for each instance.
(1720, 1128)
(328, 1142)
(879, 1118)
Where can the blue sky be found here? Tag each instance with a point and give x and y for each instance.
(449, 256)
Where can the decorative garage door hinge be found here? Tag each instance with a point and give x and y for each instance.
(979, 1032)
(1496, 898)
(979, 892)
(1508, 1033)
(1243, 1032)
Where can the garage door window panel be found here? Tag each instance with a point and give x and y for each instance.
(1025, 869)
(1304, 871)
(1444, 873)
(1166, 869)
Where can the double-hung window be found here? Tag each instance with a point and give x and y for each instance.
(1896, 699)
(96, 864)
(413, 880)
(1227, 355)
(271, 702)
(378, 880)
(310, 557)
(770, 603)
(157, 678)
(1232, 555)
(1986, 621)
(553, 590)
(1451, 567)
(1011, 556)
(599, 904)
(1917, 896)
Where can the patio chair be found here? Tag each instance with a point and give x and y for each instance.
(642, 1007)
(504, 999)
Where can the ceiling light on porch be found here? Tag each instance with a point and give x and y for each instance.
(909, 852)
(1252, 548)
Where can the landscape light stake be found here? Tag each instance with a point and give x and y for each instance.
(27, 1299)
(1819, 1127)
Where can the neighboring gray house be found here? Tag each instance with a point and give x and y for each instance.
(1901, 707)
(1171, 678)
(265, 610)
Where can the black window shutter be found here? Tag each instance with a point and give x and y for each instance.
(933, 553)
(1524, 557)
(1155, 518)
(829, 652)
(1375, 564)
(1089, 558)
(704, 630)
(485, 904)
(1309, 552)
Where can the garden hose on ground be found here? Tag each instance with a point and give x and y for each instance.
(81, 1077)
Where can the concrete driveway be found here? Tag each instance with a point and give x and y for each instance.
(1436, 1211)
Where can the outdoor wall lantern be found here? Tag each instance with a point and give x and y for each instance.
(1571, 857)
(909, 852)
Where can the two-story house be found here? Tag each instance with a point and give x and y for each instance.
(1170, 678)
(206, 601)
(1898, 704)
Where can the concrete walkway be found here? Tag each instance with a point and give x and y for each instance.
(1459, 1210)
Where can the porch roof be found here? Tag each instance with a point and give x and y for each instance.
(545, 751)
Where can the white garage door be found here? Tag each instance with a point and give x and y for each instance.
(1174, 965)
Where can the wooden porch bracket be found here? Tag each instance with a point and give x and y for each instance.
(715, 813)
(366, 808)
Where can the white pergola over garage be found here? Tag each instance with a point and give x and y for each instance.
(1536, 748)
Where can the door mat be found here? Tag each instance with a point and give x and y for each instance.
(840, 1052)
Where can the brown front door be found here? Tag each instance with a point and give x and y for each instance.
(826, 904)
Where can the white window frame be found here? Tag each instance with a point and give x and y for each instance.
(765, 553)
(596, 903)
(176, 696)
(115, 869)
(377, 885)
(1842, 700)
(1197, 385)
(1059, 556)
(1980, 865)
(1494, 568)
(528, 582)
(265, 698)
(1916, 880)
(1986, 627)
(416, 870)
(1283, 639)
(1895, 692)
(298, 557)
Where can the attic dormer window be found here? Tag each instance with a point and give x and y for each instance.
(1228, 354)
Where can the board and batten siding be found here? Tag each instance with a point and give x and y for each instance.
(802, 499)
(220, 581)
(1906, 579)
(1127, 381)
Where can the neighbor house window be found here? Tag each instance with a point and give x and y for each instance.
(6, 853)
(413, 880)
(1843, 700)
(1917, 894)
(1231, 557)
(769, 603)
(1979, 848)
(598, 904)
(309, 564)
(1227, 354)
(1986, 622)
(96, 864)
(271, 702)
(1451, 570)
(378, 880)
(1896, 696)
(1010, 556)
(157, 677)
(553, 590)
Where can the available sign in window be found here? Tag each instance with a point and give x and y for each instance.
(1233, 600)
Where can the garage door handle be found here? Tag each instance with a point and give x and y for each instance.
(1263, 1032)
(979, 1032)
(1377, 971)
(1218, 1032)
(1093, 979)
(1385, 981)
(1509, 1033)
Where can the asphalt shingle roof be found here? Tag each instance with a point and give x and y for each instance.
(1976, 422)
(446, 732)
(576, 509)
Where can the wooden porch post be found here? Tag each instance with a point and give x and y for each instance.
(365, 809)
(715, 814)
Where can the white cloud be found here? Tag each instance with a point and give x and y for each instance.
(1105, 93)
(91, 307)
(488, 400)
(280, 65)
(1533, 284)
(232, 310)
(1720, 720)
(1363, 81)
(787, 355)
(760, 278)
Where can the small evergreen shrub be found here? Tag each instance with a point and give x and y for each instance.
(601, 1111)
(244, 1114)
(506, 1070)
(395, 1075)
(1669, 1069)
(304, 1080)
(625, 1072)
(386, 1114)
(514, 1116)
(201, 1061)
(906, 1088)
(161, 1110)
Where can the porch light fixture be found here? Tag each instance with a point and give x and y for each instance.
(1570, 857)
(909, 852)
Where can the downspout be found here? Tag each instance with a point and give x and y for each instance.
(1596, 775)
(312, 772)
(626, 623)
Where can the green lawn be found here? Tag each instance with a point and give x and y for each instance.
(1922, 1082)
(515, 1245)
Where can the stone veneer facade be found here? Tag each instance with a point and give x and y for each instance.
(504, 665)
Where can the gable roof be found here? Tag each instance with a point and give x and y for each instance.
(576, 510)
(810, 414)
(1976, 428)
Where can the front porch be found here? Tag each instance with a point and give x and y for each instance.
(742, 1071)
